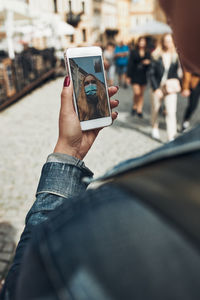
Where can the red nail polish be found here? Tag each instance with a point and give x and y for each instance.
(117, 86)
(67, 81)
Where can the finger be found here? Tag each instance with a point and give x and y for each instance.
(114, 103)
(114, 115)
(112, 90)
(67, 96)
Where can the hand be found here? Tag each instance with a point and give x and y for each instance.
(125, 54)
(106, 64)
(72, 140)
(128, 80)
(158, 93)
(186, 93)
(146, 62)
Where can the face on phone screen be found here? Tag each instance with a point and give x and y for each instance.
(89, 87)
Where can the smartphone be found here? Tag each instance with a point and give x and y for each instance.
(86, 70)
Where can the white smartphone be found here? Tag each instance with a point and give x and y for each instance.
(86, 70)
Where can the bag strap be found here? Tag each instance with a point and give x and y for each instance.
(172, 187)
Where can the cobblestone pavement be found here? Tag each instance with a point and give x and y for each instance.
(28, 135)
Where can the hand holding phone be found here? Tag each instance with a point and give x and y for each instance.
(72, 140)
(91, 99)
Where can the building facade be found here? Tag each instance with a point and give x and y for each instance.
(79, 13)
(141, 12)
(133, 13)
(123, 17)
(95, 21)
(98, 22)
(158, 13)
(109, 21)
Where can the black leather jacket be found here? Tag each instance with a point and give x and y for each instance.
(157, 70)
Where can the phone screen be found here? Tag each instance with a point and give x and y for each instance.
(89, 87)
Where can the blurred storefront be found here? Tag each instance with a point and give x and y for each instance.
(91, 21)
(32, 39)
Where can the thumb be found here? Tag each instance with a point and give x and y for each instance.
(67, 96)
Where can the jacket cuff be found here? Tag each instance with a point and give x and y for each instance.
(62, 176)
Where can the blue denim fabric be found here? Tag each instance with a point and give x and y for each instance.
(92, 237)
(59, 181)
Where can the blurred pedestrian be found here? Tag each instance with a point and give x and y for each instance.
(151, 43)
(138, 64)
(131, 45)
(164, 78)
(121, 56)
(109, 62)
(191, 89)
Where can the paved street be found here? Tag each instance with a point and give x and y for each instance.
(28, 135)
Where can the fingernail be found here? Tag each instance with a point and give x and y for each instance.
(117, 86)
(116, 113)
(117, 101)
(66, 81)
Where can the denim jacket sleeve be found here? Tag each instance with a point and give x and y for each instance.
(60, 180)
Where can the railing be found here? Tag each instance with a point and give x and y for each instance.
(22, 74)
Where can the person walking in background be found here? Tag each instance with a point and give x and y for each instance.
(191, 89)
(109, 62)
(121, 56)
(164, 74)
(138, 65)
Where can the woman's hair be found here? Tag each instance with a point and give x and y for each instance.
(110, 44)
(87, 109)
(160, 49)
(139, 40)
(162, 42)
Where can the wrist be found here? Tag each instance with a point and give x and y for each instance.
(61, 147)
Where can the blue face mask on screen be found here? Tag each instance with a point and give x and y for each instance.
(91, 89)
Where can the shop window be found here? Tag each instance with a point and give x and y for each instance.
(72, 38)
(83, 6)
(84, 35)
(55, 6)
